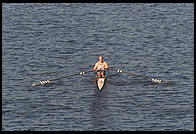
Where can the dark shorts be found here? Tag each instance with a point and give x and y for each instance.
(101, 71)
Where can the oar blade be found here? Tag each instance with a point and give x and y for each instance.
(41, 83)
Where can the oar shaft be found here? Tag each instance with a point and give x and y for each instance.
(54, 79)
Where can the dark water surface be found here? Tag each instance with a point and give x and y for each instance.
(43, 41)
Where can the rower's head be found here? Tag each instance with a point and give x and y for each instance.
(100, 58)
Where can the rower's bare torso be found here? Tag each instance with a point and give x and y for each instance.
(100, 65)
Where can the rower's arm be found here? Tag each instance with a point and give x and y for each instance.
(106, 66)
(95, 67)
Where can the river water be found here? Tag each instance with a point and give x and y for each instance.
(42, 41)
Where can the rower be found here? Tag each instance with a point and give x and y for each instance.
(100, 67)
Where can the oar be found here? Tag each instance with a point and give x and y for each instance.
(66, 76)
(147, 77)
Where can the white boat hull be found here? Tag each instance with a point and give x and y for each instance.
(100, 83)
